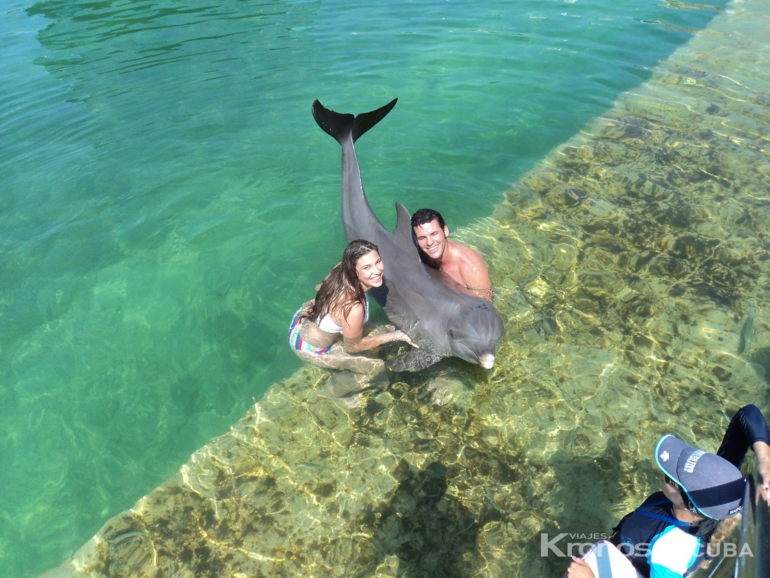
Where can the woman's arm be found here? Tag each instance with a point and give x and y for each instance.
(353, 331)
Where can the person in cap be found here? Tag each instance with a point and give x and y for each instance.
(668, 535)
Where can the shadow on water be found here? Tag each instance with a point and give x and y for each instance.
(429, 531)
(761, 362)
(582, 506)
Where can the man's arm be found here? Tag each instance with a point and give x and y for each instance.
(476, 275)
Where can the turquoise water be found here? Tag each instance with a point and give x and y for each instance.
(167, 202)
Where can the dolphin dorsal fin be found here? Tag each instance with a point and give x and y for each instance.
(403, 231)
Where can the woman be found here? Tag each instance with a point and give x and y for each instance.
(668, 535)
(341, 309)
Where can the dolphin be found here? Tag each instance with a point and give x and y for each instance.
(421, 301)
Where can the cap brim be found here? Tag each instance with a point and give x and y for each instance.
(667, 454)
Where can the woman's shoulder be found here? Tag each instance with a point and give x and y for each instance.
(353, 306)
(347, 308)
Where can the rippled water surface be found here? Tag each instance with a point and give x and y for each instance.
(167, 202)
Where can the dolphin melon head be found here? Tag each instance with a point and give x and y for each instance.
(474, 333)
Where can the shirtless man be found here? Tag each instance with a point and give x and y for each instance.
(460, 263)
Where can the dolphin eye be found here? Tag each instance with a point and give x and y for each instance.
(451, 334)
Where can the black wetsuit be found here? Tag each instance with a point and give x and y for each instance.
(747, 427)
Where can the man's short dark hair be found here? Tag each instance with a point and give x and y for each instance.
(425, 216)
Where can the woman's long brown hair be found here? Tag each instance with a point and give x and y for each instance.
(341, 289)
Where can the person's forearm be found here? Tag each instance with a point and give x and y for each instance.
(366, 343)
(762, 451)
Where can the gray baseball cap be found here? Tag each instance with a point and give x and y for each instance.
(714, 485)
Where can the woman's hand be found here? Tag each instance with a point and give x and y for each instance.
(399, 335)
(579, 569)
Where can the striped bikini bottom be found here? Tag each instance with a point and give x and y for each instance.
(299, 344)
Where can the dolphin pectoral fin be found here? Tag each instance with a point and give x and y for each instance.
(414, 360)
(402, 234)
(339, 125)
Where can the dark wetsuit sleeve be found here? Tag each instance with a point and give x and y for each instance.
(746, 427)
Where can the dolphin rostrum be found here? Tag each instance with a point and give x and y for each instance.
(421, 301)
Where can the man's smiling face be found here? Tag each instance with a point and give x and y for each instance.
(432, 239)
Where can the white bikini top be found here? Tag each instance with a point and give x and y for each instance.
(328, 325)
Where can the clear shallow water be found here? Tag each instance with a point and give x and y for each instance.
(167, 201)
(631, 265)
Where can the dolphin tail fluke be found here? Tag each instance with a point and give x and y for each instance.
(339, 125)
(367, 120)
